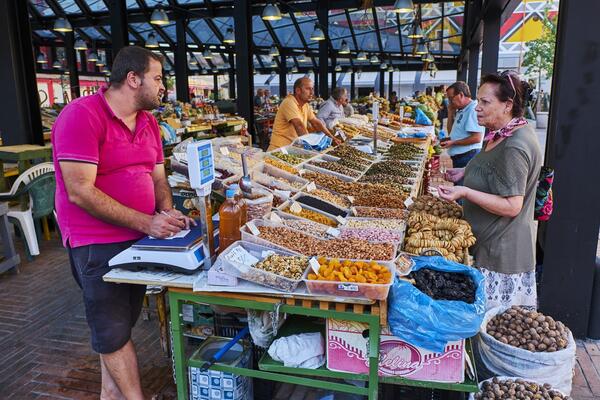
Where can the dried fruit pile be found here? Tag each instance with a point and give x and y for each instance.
(351, 271)
(444, 285)
(436, 206)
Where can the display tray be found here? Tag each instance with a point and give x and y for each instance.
(307, 155)
(330, 217)
(305, 198)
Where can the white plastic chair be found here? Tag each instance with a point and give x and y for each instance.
(25, 217)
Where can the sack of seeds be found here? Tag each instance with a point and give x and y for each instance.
(527, 344)
(438, 302)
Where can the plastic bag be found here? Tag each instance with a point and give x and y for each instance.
(264, 326)
(421, 118)
(555, 368)
(420, 320)
(260, 205)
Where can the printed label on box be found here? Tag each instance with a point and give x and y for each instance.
(347, 287)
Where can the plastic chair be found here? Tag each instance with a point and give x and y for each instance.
(39, 184)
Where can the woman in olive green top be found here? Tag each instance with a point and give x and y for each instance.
(499, 193)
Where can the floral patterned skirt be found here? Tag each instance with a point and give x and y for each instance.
(509, 289)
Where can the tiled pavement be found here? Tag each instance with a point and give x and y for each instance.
(44, 339)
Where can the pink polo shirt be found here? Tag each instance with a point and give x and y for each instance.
(88, 131)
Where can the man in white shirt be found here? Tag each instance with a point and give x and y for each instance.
(333, 109)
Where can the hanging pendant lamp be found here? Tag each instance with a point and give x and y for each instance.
(62, 25)
(271, 12)
(159, 17)
(403, 6)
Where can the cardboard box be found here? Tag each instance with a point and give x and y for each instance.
(347, 352)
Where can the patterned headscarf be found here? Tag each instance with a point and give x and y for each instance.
(507, 130)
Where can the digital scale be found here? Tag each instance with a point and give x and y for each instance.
(182, 253)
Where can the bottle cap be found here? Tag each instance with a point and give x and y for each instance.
(234, 186)
(230, 193)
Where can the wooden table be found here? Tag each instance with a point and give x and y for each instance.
(22, 154)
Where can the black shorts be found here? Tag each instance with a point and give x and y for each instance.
(111, 309)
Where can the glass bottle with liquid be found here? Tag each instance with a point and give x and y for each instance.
(230, 216)
(241, 202)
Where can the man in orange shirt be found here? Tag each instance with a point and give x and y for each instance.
(294, 114)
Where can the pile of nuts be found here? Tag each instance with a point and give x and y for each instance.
(330, 197)
(359, 165)
(349, 188)
(393, 224)
(436, 206)
(529, 330)
(312, 215)
(349, 152)
(311, 227)
(372, 235)
(381, 201)
(336, 167)
(404, 151)
(291, 267)
(341, 248)
(396, 168)
(373, 212)
(517, 389)
(386, 179)
(293, 159)
(281, 165)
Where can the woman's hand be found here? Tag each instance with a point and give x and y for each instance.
(452, 193)
(454, 174)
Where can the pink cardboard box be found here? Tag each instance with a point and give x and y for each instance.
(347, 352)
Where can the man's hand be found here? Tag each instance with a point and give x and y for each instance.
(162, 226)
(180, 216)
(446, 144)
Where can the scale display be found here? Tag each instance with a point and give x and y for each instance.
(201, 166)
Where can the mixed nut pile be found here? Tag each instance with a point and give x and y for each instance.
(517, 389)
(291, 267)
(529, 330)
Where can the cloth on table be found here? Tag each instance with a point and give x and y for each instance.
(305, 350)
(509, 289)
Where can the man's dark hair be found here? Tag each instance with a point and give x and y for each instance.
(337, 93)
(460, 87)
(131, 59)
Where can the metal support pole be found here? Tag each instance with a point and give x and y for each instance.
(216, 87)
(243, 63)
(473, 68)
(118, 24)
(21, 122)
(283, 77)
(571, 235)
(181, 63)
(382, 83)
(352, 86)
(491, 37)
(72, 65)
(231, 84)
(390, 84)
(323, 17)
(333, 73)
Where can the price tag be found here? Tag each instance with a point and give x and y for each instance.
(408, 202)
(354, 211)
(253, 229)
(314, 264)
(333, 232)
(341, 134)
(224, 151)
(310, 187)
(276, 218)
(239, 255)
(341, 220)
(296, 208)
(351, 198)
(284, 151)
(301, 172)
(283, 193)
(267, 253)
(347, 287)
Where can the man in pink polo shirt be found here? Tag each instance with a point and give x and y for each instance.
(111, 191)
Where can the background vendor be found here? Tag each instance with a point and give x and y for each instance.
(466, 135)
(333, 108)
(294, 114)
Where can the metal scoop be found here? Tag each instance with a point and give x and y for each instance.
(245, 182)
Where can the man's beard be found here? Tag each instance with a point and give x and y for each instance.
(146, 101)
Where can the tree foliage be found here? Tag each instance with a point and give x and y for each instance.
(539, 57)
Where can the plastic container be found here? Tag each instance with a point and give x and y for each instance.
(375, 212)
(319, 204)
(399, 225)
(330, 217)
(311, 227)
(230, 215)
(305, 154)
(356, 173)
(249, 273)
(369, 291)
(260, 206)
(292, 180)
(247, 236)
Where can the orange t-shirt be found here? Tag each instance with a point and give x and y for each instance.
(284, 132)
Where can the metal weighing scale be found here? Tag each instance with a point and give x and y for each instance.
(183, 254)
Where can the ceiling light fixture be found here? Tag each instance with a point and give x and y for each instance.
(57, 64)
(271, 12)
(374, 59)
(159, 17)
(41, 59)
(229, 36)
(93, 56)
(338, 68)
(345, 49)
(151, 42)
(80, 45)
(274, 51)
(403, 6)
(317, 34)
(361, 56)
(207, 54)
(417, 32)
(62, 25)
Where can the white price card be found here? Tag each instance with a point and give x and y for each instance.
(314, 264)
(282, 193)
(341, 134)
(224, 150)
(354, 211)
(239, 255)
(296, 208)
(333, 232)
(267, 253)
(376, 110)
(284, 150)
(253, 229)
(347, 287)
(408, 202)
(351, 198)
(276, 218)
(301, 172)
(311, 186)
(341, 220)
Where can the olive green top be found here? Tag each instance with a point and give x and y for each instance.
(505, 245)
